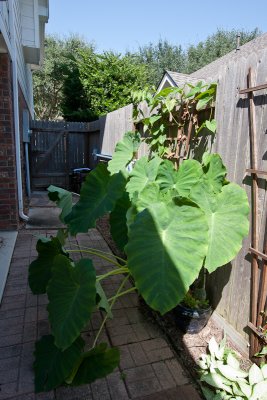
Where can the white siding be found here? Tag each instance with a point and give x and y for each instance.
(24, 71)
(29, 18)
(4, 22)
(30, 23)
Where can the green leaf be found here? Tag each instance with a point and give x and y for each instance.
(187, 176)
(213, 347)
(203, 102)
(149, 195)
(99, 194)
(166, 176)
(260, 391)
(118, 223)
(163, 259)
(214, 170)
(52, 366)
(40, 269)
(124, 152)
(63, 199)
(232, 361)
(170, 104)
(264, 370)
(72, 298)
(217, 381)
(103, 302)
(255, 375)
(98, 363)
(208, 394)
(62, 235)
(236, 390)
(211, 125)
(262, 353)
(231, 373)
(154, 118)
(164, 92)
(144, 172)
(245, 388)
(227, 214)
(194, 90)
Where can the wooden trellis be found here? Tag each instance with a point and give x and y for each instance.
(258, 281)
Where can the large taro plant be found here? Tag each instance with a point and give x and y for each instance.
(169, 222)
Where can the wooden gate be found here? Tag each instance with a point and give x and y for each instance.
(56, 149)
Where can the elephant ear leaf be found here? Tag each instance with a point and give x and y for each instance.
(124, 152)
(118, 222)
(214, 171)
(40, 269)
(99, 194)
(98, 363)
(187, 176)
(144, 171)
(227, 214)
(182, 180)
(52, 366)
(163, 259)
(63, 199)
(167, 176)
(72, 298)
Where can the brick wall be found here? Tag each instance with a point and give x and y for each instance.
(8, 188)
(9, 219)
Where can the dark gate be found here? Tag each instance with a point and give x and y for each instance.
(56, 149)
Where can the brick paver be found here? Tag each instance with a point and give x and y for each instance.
(148, 368)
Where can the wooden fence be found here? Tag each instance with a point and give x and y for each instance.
(233, 298)
(59, 147)
(230, 286)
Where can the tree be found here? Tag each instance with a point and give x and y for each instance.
(109, 78)
(76, 83)
(51, 93)
(215, 46)
(159, 57)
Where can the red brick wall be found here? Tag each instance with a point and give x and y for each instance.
(8, 189)
(9, 218)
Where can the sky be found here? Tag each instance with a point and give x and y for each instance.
(125, 25)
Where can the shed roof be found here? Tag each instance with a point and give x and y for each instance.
(181, 79)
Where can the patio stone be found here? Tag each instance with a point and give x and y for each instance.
(148, 366)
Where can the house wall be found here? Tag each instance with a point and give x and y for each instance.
(8, 188)
(24, 69)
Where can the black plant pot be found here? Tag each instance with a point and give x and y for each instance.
(191, 320)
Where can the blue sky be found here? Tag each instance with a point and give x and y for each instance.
(124, 25)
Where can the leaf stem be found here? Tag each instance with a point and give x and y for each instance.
(132, 289)
(100, 252)
(114, 272)
(96, 254)
(111, 305)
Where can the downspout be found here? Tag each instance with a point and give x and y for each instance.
(16, 111)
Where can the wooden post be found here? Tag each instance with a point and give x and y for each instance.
(254, 229)
(263, 288)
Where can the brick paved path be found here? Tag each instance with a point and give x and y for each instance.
(149, 370)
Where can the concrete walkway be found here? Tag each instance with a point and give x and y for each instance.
(148, 370)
